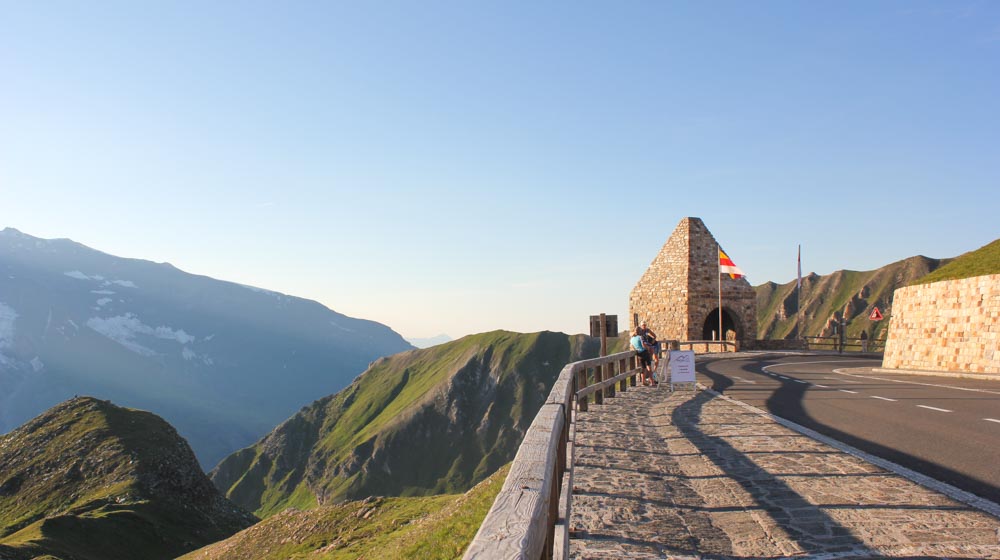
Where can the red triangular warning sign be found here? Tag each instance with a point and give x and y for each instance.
(876, 315)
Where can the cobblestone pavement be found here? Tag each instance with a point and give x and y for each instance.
(693, 475)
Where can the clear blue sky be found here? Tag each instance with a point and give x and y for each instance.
(459, 167)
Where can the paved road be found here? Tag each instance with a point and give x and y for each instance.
(947, 428)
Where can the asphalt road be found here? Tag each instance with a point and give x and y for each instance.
(944, 427)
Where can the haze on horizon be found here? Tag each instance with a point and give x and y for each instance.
(451, 168)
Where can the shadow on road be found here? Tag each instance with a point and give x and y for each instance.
(788, 402)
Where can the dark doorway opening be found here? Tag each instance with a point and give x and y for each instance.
(712, 326)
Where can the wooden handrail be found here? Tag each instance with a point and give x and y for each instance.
(526, 513)
(530, 516)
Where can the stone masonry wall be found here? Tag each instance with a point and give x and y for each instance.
(679, 290)
(660, 296)
(738, 297)
(952, 325)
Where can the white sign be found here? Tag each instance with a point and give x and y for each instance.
(681, 366)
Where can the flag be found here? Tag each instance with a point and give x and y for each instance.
(799, 283)
(726, 265)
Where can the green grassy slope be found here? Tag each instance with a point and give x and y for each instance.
(845, 293)
(90, 480)
(423, 422)
(433, 528)
(982, 261)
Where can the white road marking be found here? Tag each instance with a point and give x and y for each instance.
(800, 381)
(823, 386)
(992, 420)
(849, 381)
(744, 380)
(846, 391)
(883, 398)
(917, 383)
(820, 362)
(934, 408)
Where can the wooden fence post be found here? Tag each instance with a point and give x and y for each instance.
(598, 377)
(609, 372)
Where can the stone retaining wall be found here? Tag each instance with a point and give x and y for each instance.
(952, 325)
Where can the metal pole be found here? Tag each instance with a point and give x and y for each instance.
(718, 260)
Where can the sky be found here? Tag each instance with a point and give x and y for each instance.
(460, 167)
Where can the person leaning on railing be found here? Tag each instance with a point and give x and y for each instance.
(642, 351)
(649, 338)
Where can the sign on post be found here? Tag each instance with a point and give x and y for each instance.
(876, 315)
(610, 326)
(681, 367)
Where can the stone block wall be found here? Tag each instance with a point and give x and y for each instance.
(660, 296)
(952, 325)
(680, 289)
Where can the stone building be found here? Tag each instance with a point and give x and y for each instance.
(678, 295)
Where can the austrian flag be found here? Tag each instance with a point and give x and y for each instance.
(726, 266)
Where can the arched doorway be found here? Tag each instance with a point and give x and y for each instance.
(729, 323)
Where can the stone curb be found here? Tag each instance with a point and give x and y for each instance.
(963, 375)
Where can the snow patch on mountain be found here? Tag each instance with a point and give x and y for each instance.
(98, 278)
(263, 291)
(124, 328)
(7, 317)
(341, 327)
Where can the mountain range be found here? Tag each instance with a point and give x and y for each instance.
(845, 294)
(376, 468)
(222, 362)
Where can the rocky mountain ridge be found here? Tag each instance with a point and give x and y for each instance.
(422, 422)
(88, 480)
(845, 294)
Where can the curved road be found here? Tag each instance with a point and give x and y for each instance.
(944, 427)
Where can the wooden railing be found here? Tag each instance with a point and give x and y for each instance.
(708, 345)
(529, 518)
(847, 344)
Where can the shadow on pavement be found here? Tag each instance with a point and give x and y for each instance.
(805, 523)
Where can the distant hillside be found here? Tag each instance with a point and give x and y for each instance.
(428, 342)
(845, 293)
(430, 528)
(88, 480)
(421, 422)
(222, 362)
(981, 262)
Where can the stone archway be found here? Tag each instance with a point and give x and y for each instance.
(730, 322)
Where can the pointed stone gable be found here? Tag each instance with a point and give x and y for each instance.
(678, 295)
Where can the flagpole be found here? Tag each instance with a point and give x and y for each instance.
(718, 250)
(798, 297)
